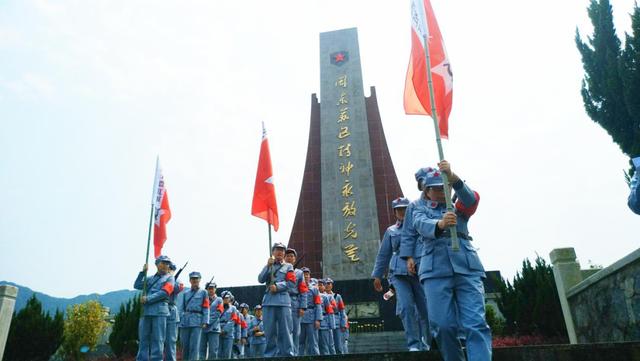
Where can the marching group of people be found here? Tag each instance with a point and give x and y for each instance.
(299, 315)
(440, 292)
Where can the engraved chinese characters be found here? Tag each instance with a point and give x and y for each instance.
(350, 208)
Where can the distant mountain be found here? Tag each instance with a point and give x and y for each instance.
(113, 300)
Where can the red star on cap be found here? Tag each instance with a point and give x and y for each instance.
(339, 57)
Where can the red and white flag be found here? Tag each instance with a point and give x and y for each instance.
(416, 88)
(264, 193)
(161, 211)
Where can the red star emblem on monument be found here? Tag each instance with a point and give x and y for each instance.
(339, 58)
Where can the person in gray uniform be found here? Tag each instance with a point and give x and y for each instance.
(310, 323)
(210, 341)
(298, 298)
(280, 280)
(257, 339)
(193, 305)
(172, 320)
(325, 334)
(410, 295)
(152, 327)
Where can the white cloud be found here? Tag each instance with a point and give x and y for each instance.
(29, 86)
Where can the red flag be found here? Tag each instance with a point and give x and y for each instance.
(161, 211)
(264, 193)
(416, 88)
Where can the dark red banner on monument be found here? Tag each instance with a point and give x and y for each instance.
(264, 193)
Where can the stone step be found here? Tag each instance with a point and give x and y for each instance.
(616, 351)
(365, 342)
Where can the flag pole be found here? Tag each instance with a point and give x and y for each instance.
(146, 262)
(153, 194)
(270, 253)
(455, 243)
(269, 225)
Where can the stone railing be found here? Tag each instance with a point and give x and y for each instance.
(599, 305)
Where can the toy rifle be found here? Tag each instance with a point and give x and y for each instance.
(180, 270)
(298, 261)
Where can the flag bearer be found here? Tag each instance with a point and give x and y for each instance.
(152, 327)
(410, 294)
(193, 305)
(210, 341)
(298, 301)
(257, 340)
(452, 281)
(310, 322)
(276, 303)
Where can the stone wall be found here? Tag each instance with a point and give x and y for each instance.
(603, 307)
(606, 306)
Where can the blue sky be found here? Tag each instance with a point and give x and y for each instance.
(91, 92)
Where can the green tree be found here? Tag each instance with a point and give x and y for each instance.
(83, 327)
(630, 73)
(124, 337)
(531, 305)
(611, 85)
(494, 321)
(33, 335)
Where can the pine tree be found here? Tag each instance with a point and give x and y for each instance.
(531, 304)
(124, 337)
(611, 86)
(630, 73)
(33, 335)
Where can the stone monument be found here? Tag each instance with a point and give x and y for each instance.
(349, 179)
